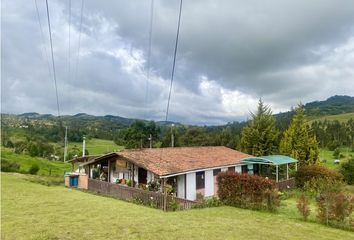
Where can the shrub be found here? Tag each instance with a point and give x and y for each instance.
(303, 206)
(336, 153)
(347, 170)
(316, 186)
(247, 191)
(308, 172)
(324, 203)
(208, 202)
(172, 204)
(343, 207)
(7, 166)
(335, 208)
(154, 185)
(33, 169)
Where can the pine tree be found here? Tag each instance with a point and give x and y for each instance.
(298, 142)
(259, 138)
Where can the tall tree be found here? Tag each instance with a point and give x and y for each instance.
(260, 137)
(298, 142)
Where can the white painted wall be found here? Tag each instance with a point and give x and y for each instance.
(224, 169)
(250, 169)
(238, 169)
(209, 183)
(181, 186)
(150, 176)
(191, 186)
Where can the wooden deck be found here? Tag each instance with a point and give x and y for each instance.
(286, 184)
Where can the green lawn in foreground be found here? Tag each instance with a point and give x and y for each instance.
(97, 146)
(34, 211)
(25, 161)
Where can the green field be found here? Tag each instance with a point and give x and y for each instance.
(327, 155)
(97, 146)
(56, 168)
(34, 211)
(340, 117)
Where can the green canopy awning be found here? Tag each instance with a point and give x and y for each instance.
(271, 159)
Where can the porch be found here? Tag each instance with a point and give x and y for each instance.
(275, 167)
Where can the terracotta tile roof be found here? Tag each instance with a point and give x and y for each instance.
(167, 161)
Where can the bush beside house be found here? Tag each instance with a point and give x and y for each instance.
(247, 191)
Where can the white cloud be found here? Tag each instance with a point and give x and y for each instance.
(230, 55)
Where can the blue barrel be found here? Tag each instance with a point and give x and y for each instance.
(73, 181)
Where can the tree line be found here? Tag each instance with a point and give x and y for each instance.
(263, 134)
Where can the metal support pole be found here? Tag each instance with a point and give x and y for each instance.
(276, 173)
(287, 171)
(83, 146)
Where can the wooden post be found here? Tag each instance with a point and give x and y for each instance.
(276, 173)
(132, 184)
(295, 166)
(287, 171)
(164, 194)
(109, 171)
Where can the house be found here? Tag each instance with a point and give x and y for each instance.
(189, 171)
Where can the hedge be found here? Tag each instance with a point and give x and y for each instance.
(247, 191)
(308, 172)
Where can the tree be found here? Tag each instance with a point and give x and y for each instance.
(138, 133)
(347, 169)
(298, 142)
(260, 137)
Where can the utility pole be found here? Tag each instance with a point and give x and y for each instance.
(66, 144)
(83, 146)
(172, 136)
(150, 139)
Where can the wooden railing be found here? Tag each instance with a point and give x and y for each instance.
(286, 184)
(152, 199)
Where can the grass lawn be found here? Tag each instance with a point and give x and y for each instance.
(97, 146)
(328, 155)
(25, 161)
(34, 211)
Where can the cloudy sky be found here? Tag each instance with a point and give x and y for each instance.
(231, 53)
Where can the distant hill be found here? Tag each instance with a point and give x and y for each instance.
(332, 106)
(107, 127)
(339, 106)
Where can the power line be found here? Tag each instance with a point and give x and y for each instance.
(69, 31)
(174, 60)
(43, 39)
(53, 63)
(149, 54)
(78, 48)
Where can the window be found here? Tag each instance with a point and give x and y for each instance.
(244, 169)
(231, 169)
(200, 180)
(216, 172)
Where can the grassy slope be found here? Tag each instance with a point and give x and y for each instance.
(57, 168)
(97, 146)
(33, 211)
(340, 117)
(328, 156)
